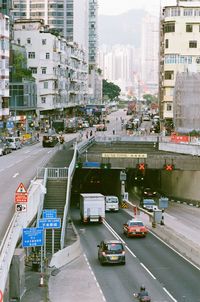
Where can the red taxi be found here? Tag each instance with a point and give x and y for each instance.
(135, 228)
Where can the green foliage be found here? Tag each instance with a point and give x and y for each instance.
(150, 98)
(111, 90)
(20, 71)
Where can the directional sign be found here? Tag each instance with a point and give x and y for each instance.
(50, 213)
(21, 194)
(32, 237)
(91, 164)
(50, 223)
(20, 207)
(124, 155)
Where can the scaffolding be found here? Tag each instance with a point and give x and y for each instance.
(187, 102)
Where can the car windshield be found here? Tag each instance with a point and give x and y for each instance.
(111, 200)
(135, 223)
(10, 140)
(114, 247)
(149, 202)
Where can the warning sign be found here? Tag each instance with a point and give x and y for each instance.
(21, 194)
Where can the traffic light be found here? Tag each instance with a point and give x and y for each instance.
(105, 165)
(141, 166)
(168, 167)
(79, 165)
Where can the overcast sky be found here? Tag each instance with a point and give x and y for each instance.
(116, 7)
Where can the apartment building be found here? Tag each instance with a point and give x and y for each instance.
(60, 68)
(179, 49)
(4, 68)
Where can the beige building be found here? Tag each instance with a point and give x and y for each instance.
(179, 49)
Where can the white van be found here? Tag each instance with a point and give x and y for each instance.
(111, 203)
(15, 142)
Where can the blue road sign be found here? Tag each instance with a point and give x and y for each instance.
(10, 125)
(91, 164)
(50, 213)
(163, 202)
(54, 223)
(32, 237)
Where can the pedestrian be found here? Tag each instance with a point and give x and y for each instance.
(91, 133)
(38, 136)
(86, 135)
(113, 131)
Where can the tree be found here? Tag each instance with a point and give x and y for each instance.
(19, 67)
(150, 98)
(111, 90)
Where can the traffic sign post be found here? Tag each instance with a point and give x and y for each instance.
(21, 194)
(20, 207)
(50, 213)
(32, 237)
(49, 223)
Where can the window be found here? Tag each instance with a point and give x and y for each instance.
(31, 55)
(44, 41)
(169, 27)
(169, 75)
(166, 43)
(43, 99)
(188, 12)
(193, 44)
(33, 70)
(47, 55)
(44, 70)
(189, 28)
(169, 107)
(45, 85)
(18, 41)
(28, 40)
(175, 11)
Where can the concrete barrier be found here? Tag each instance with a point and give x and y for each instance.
(180, 243)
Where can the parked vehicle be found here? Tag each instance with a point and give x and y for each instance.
(49, 140)
(111, 203)
(5, 147)
(111, 252)
(92, 207)
(15, 142)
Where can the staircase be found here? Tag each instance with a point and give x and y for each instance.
(55, 199)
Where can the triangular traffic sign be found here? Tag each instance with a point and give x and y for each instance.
(21, 189)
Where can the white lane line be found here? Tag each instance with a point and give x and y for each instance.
(148, 271)
(194, 265)
(97, 283)
(130, 251)
(113, 232)
(169, 294)
(15, 175)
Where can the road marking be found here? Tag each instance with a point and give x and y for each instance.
(169, 294)
(15, 175)
(97, 283)
(148, 270)
(113, 231)
(175, 250)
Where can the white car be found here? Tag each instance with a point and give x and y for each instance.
(85, 124)
(14, 142)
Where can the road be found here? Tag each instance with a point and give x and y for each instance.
(167, 276)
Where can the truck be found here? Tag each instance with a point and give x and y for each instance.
(92, 207)
(111, 204)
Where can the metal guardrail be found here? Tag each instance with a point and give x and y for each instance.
(52, 173)
(84, 145)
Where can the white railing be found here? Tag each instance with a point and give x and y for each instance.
(14, 231)
(71, 170)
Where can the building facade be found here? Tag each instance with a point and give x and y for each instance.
(179, 50)
(4, 70)
(60, 68)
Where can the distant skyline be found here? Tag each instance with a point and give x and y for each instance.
(116, 7)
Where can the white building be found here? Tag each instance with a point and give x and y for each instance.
(68, 17)
(4, 67)
(179, 49)
(149, 53)
(60, 68)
